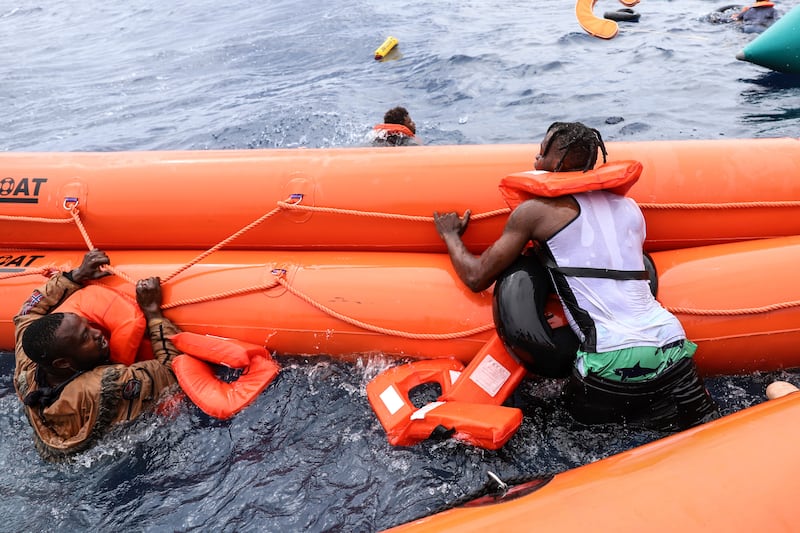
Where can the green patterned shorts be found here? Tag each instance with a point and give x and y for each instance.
(630, 365)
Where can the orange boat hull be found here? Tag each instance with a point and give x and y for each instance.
(692, 193)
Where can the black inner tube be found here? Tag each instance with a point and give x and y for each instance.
(625, 14)
(737, 7)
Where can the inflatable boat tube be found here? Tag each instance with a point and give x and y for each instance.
(739, 302)
(372, 199)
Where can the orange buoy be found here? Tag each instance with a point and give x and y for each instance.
(593, 25)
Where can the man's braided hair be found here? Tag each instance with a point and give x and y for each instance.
(577, 142)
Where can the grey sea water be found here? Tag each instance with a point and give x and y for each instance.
(309, 455)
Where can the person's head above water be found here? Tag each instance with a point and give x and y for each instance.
(569, 146)
(65, 342)
(399, 115)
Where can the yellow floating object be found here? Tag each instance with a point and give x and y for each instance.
(386, 47)
(599, 27)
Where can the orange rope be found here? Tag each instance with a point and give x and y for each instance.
(734, 312)
(27, 272)
(75, 213)
(731, 205)
(281, 205)
(220, 296)
(349, 320)
(36, 219)
(377, 214)
(222, 243)
(378, 329)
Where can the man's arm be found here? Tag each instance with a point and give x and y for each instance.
(159, 327)
(533, 220)
(479, 272)
(44, 299)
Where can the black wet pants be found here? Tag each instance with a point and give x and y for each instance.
(672, 401)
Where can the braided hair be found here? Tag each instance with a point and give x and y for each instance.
(39, 340)
(578, 142)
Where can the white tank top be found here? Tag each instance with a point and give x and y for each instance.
(609, 314)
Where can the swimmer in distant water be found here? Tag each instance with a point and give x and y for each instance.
(397, 129)
(72, 393)
(758, 17)
(634, 364)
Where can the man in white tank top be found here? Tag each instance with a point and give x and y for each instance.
(634, 364)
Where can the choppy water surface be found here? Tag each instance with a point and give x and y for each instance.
(309, 455)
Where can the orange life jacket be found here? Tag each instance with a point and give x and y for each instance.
(468, 408)
(394, 129)
(118, 316)
(616, 176)
(394, 134)
(212, 395)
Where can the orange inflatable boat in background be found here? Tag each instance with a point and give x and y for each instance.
(369, 199)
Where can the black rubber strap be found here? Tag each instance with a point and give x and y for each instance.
(586, 272)
(606, 273)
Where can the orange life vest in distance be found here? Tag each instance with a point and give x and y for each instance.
(118, 316)
(211, 394)
(617, 177)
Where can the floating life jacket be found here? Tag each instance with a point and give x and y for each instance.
(617, 177)
(393, 135)
(469, 408)
(118, 316)
(215, 396)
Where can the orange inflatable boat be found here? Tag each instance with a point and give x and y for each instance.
(371, 199)
(738, 473)
(738, 301)
(334, 252)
